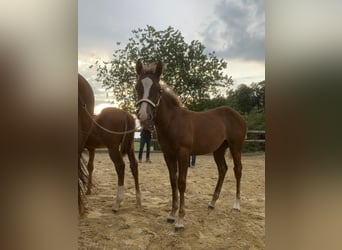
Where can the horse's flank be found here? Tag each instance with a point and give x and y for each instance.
(115, 120)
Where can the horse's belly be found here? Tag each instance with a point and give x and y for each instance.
(207, 143)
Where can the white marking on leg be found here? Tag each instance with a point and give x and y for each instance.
(237, 205)
(119, 198)
(170, 217)
(180, 223)
(147, 83)
(211, 204)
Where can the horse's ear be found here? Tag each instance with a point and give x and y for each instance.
(139, 67)
(159, 68)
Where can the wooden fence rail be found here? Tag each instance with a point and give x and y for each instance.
(246, 141)
(255, 140)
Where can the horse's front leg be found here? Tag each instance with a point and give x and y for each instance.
(172, 167)
(183, 164)
(135, 173)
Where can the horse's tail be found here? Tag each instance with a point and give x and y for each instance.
(82, 184)
(128, 139)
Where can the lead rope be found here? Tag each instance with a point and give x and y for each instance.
(107, 130)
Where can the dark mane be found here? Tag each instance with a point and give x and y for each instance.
(149, 68)
(170, 97)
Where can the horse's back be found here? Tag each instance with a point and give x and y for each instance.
(115, 120)
(212, 127)
(85, 94)
(223, 115)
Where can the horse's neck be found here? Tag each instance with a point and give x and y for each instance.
(164, 113)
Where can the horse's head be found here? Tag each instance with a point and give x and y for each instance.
(148, 90)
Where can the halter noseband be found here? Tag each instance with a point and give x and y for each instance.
(148, 101)
(154, 105)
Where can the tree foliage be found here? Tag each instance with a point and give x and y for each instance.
(248, 100)
(245, 98)
(188, 70)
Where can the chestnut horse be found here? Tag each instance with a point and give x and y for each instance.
(182, 133)
(85, 106)
(114, 129)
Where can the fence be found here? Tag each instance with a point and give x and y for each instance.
(156, 147)
(262, 132)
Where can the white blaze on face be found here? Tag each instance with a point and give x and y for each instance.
(147, 83)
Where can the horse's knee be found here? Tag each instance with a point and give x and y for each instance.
(133, 166)
(238, 171)
(181, 185)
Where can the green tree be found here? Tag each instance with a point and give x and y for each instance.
(188, 70)
(244, 98)
(259, 94)
(208, 104)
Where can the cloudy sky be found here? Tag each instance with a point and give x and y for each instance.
(234, 29)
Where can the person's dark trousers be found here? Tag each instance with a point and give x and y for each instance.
(193, 160)
(144, 140)
(148, 146)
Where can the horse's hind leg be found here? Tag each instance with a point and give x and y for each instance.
(135, 172)
(119, 164)
(222, 170)
(90, 167)
(236, 154)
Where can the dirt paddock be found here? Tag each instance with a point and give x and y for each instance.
(146, 228)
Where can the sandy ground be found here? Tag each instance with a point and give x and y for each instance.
(146, 228)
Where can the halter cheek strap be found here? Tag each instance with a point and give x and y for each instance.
(154, 105)
(148, 101)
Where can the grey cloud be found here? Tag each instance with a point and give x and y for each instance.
(237, 30)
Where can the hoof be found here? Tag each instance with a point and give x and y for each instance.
(115, 209)
(179, 229)
(210, 207)
(138, 205)
(179, 226)
(235, 210)
(170, 220)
